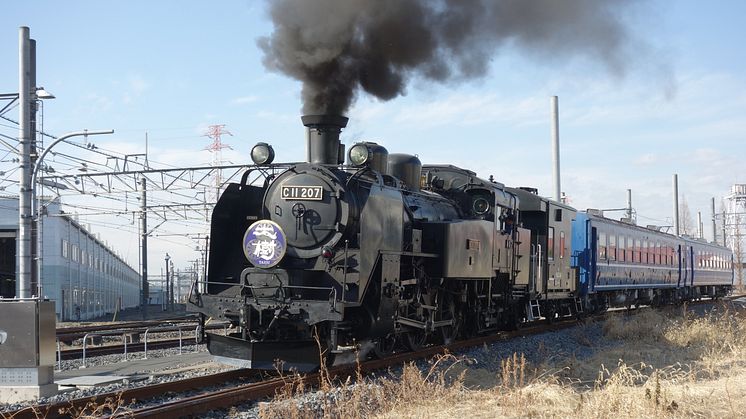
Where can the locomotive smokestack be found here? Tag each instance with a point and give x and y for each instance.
(323, 138)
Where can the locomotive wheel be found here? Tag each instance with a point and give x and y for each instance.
(384, 346)
(415, 339)
(448, 312)
(551, 314)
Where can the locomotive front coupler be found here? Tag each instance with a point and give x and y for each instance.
(272, 322)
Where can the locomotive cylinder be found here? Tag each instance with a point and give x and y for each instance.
(323, 138)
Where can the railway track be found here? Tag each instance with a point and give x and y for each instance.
(78, 332)
(206, 401)
(119, 325)
(192, 405)
(73, 408)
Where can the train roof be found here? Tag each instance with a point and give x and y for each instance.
(595, 215)
(531, 201)
(466, 173)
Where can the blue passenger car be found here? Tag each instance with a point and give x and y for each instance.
(622, 264)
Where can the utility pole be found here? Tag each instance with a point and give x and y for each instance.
(714, 226)
(24, 150)
(33, 157)
(144, 240)
(555, 149)
(676, 205)
(629, 206)
(167, 294)
(171, 287)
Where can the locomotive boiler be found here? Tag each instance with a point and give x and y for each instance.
(323, 257)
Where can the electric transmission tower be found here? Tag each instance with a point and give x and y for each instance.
(215, 132)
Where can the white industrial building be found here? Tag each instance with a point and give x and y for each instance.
(79, 272)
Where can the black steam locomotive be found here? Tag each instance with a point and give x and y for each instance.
(326, 257)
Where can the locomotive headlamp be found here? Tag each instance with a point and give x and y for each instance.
(262, 153)
(480, 206)
(359, 154)
(327, 252)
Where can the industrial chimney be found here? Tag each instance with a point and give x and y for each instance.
(323, 138)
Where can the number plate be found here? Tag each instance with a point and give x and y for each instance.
(303, 193)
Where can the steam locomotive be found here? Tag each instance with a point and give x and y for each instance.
(321, 258)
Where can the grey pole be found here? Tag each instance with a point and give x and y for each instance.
(144, 239)
(171, 287)
(714, 226)
(555, 148)
(629, 205)
(24, 150)
(166, 297)
(676, 204)
(700, 233)
(35, 227)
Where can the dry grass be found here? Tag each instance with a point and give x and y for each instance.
(111, 407)
(668, 364)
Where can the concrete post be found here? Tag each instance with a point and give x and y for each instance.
(555, 149)
(676, 205)
(629, 205)
(714, 226)
(144, 239)
(23, 286)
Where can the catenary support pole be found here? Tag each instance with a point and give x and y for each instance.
(144, 247)
(555, 149)
(629, 205)
(35, 227)
(676, 204)
(714, 226)
(23, 287)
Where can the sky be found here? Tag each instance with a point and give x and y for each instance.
(172, 68)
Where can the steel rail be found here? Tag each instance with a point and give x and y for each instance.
(55, 410)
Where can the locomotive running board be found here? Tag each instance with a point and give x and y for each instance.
(302, 356)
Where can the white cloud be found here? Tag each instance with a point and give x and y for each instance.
(243, 100)
(647, 159)
(136, 87)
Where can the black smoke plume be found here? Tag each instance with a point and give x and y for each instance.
(336, 47)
